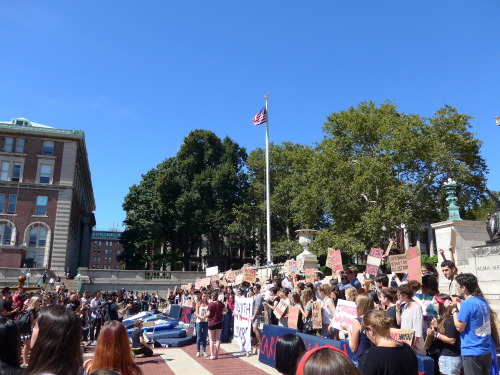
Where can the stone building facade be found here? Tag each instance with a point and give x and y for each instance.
(106, 247)
(46, 197)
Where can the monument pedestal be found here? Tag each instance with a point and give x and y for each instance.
(310, 260)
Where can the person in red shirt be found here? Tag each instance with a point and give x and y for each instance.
(215, 310)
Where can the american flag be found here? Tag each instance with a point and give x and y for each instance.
(260, 117)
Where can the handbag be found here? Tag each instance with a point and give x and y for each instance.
(308, 326)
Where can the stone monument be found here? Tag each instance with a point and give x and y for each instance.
(306, 237)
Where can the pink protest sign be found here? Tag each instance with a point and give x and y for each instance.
(345, 313)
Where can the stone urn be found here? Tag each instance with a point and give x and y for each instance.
(306, 237)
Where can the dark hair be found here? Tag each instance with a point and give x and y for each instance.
(257, 286)
(289, 349)
(105, 371)
(374, 296)
(319, 274)
(431, 268)
(390, 293)
(430, 281)
(301, 286)
(410, 288)
(329, 362)
(273, 290)
(10, 346)
(444, 313)
(57, 346)
(384, 279)
(470, 282)
(448, 263)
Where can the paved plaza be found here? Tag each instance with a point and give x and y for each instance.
(183, 361)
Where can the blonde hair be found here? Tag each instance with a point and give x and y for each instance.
(364, 303)
(31, 303)
(378, 322)
(351, 293)
(325, 288)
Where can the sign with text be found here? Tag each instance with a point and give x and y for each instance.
(334, 260)
(212, 271)
(373, 261)
(198, 284)
(389, 247)
(280, 309)
(293, 316)
(230, 276)
(414, 264)
(316, 315)
(250, 276)
(242, 327)
(214, 281)
(345, 313)
(403, 335)
(310, 275)
(399, 263)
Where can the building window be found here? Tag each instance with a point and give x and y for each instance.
(117, 267)
(94, 258)
(5, 234)
(9, 143)
(97, 266)
(38, 236)
(20, 145)
(11, 171)
(98, 259)
(41, 205)
(118, 252)
(45, 173)
(11, 209)
(48, 148)
(93, 266)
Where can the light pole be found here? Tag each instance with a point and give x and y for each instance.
(384, 230)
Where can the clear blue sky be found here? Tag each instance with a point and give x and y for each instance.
(138, 76)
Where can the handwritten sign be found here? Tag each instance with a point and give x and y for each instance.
(250, 276)
(214, 281)
(210, 271)
(334, 260)
(345, 313)
(280, 309)
(399, 263)
(316, 315)
(293, 316)
(414, 264)
(230, 276)
(412, 252)
(198, 283)
(310, 275)
(373, 261)
(403, 335)
(389, 247)
(243, 322)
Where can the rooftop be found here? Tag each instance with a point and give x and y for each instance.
(27, 125)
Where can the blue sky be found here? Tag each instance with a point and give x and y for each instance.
(137, 77)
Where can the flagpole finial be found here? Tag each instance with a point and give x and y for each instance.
(266, 96)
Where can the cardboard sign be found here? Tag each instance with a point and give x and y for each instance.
(310, 275)
(399, 263)
(223, 281)
(389, 247)
(345, 313)
(213, 281)
(412, 252)
(280, 309)
(185, 287)
(300, 264)
(210, 271)
(243, 322)
(250, 276)
(188, 303)
(239, 279)
(334, 260)
(373, 261)
(403, 335)
(293, 316)
(198, 284)
(415, 269)
(230, 276)
(316, 315)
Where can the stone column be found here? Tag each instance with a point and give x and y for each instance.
(85, 242)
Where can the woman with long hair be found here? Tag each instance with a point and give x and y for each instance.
(412, 316)
(387, 356)
(295, 301)
(326, 360)
(327, 310)
(33, 306)
(10, 347)
(388, 299)
(307, 298)
(56, 342)
(215, 310)
(113, 351)
(289, 350)
(201, 325)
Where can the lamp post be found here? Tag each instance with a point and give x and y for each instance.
(384, 230)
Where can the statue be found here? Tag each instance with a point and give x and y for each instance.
(493, 220)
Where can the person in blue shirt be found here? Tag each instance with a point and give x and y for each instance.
(473, 320)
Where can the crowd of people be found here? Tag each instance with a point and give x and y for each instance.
(457, 329)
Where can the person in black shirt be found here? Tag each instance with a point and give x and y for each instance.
(112, 308)
(6, 304)
(139, 344)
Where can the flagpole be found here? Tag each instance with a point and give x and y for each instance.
(268, 188)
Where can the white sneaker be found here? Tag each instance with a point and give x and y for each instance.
(205, 354)
(197, 354)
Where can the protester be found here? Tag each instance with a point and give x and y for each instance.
(9, 347)
(32, 310)
(139, 344)
(326, 360)
(96, 316)
(271, 304)
(358, 341)
(429, 268)
(443, 339)
(350, 294)
(412, 316)
(215, 310)
(388, 356)
(388, 298)
(327, 310)
(113, 351)
(56, 342)
(6, 308)
(450, 272)
(231, 298)
(283, 294)
(201, 325)
(257, 314)
(307, 298)
(295, 301)
(473, 320)
(289, 350)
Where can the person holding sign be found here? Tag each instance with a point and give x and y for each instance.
(412, 317)
(387, 356)
(327, 310)
(201, 325)
(214, 314)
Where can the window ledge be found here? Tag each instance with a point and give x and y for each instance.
(5, 214)
(13, 153)
(46, 156)
(39, 215)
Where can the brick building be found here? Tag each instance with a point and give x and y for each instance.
(105, 249)
(46, 197)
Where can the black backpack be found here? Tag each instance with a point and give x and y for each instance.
(24, 323)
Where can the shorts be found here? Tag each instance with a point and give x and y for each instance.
(256, 322)
(217, 326)
(450, 365)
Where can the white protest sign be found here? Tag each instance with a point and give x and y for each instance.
(243, 311)
(345, 313)
(212, 271)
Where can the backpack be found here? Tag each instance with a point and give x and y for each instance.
(24, 323)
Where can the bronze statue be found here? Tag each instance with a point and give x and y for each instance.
(493, 220)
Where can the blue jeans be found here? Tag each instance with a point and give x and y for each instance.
(201, 335)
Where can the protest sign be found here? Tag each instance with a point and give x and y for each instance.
(293, 316)
(300, 264)
(239, 279)
(214, 281)
(210, 271)
(399, 263)
(310, 275)
(345, 313)
(316, 315)
(185, 287)
(389, 247)
(223, 281)
(334, 260)
(230, 276)
(403, 335)
(250, 275)
(373, 261)
(280, 309)
(198, 284)
(243, 311)
(414, 264)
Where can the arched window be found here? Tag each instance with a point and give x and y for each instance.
(5, 234)
(38, 236)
